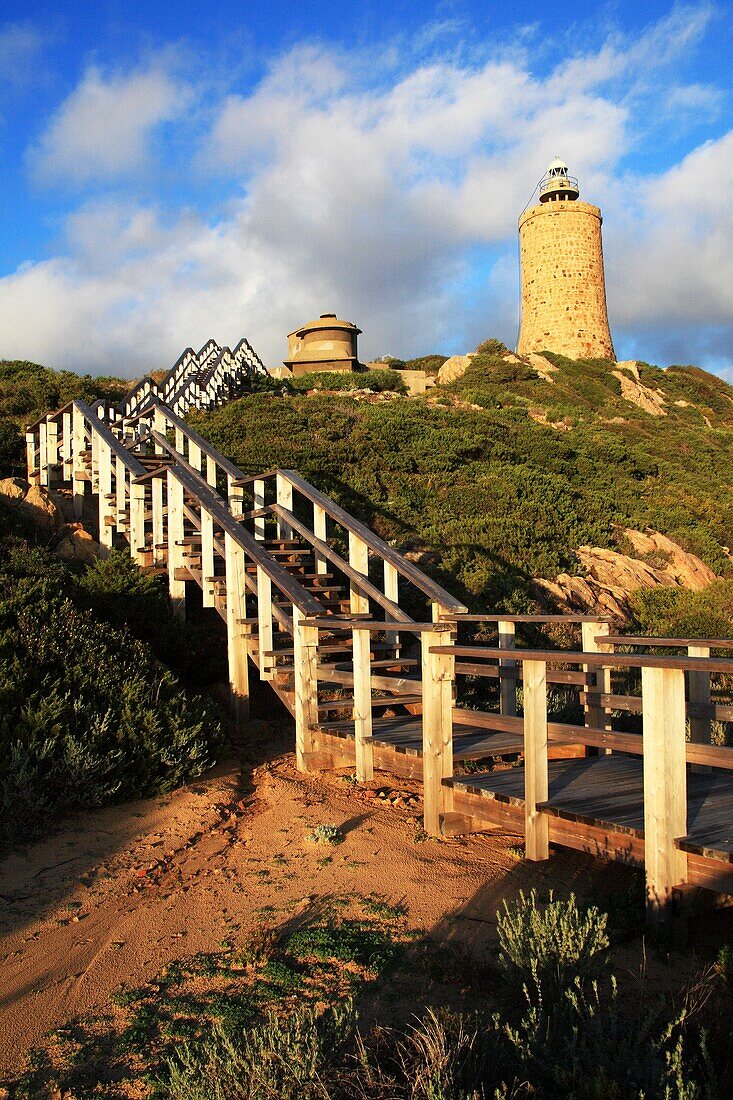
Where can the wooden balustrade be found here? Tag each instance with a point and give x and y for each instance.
(183, 506)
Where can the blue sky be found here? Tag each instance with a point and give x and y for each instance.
(172, 172)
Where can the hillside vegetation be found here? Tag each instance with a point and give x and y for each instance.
(501, 474)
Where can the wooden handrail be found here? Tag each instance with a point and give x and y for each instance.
(404, 567)
(354, 622)
(633, 640)
(497, 617)
(607, 660)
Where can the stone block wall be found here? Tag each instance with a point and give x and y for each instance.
(563, 285)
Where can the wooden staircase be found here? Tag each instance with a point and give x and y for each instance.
(315, 604)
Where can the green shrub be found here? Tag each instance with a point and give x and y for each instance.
(295, 1057)
(374, 380)
(87, 713)
(550, 946)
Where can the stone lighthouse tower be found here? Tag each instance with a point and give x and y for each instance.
(563, 287)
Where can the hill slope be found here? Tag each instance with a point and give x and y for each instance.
(502, 474)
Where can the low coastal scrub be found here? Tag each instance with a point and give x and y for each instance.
(88, 714)
(282, 1022)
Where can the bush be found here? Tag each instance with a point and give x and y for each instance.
(550, 947)
(291, 1058)
(375, 380)
(87, 714)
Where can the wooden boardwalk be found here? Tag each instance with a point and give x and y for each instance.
(315, 605)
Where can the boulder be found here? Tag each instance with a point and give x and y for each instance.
(543, 366)
(454, 368)
(611, 577)
(13, 489)
(646, 398)
(41, 507)
(77, 545)
(33, 501)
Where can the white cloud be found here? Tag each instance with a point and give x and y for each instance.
(103, 130)
(387, 194)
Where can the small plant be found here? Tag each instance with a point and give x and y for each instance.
(725, 964)
(553, 946)
(516, 851)
(326, 834)
(259, 945)
(420, 836)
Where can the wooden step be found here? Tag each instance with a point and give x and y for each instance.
(377, 704)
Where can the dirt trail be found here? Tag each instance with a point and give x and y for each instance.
(112, 896)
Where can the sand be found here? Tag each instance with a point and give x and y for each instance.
(111, 896)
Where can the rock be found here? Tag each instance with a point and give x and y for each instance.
(543, 366)
(41, 507)
(35, 502)
(77, 545)
(630, 365)
(13, 489)
(646, 398)
(424, 558)
(684, 568)
(611, 577)
(455, 367)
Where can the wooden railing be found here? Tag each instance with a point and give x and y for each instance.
(184, 508)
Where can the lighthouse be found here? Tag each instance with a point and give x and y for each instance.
(563, 285)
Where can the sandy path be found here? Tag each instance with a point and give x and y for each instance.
(113, 895)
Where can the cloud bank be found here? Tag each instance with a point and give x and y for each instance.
(385, 188)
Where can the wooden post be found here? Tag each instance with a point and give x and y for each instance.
(30, 455)
(160, 425)
(363, 705)
(320, 531)
(284, 491)
(698, 687)
(95, 458)
(176, 586)
(121, 494)
(207, 559)
(665, 785)
(306, 688)
(43, 453)
(264, 624)
(392, 592)
(158, 528)
(236, 628)
(234, 497)
(438, 674)
(597, 679)
(52, 447)
(79, 444)
(104, 499)
(66, 446)
(536, 781)
(179, 440)
(194, 455)
(359, 560)
(136, 534)
(211, 471)
(507, 670)
(259, 502)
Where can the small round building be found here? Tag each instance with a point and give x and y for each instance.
(328, 344)
(563, 284)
